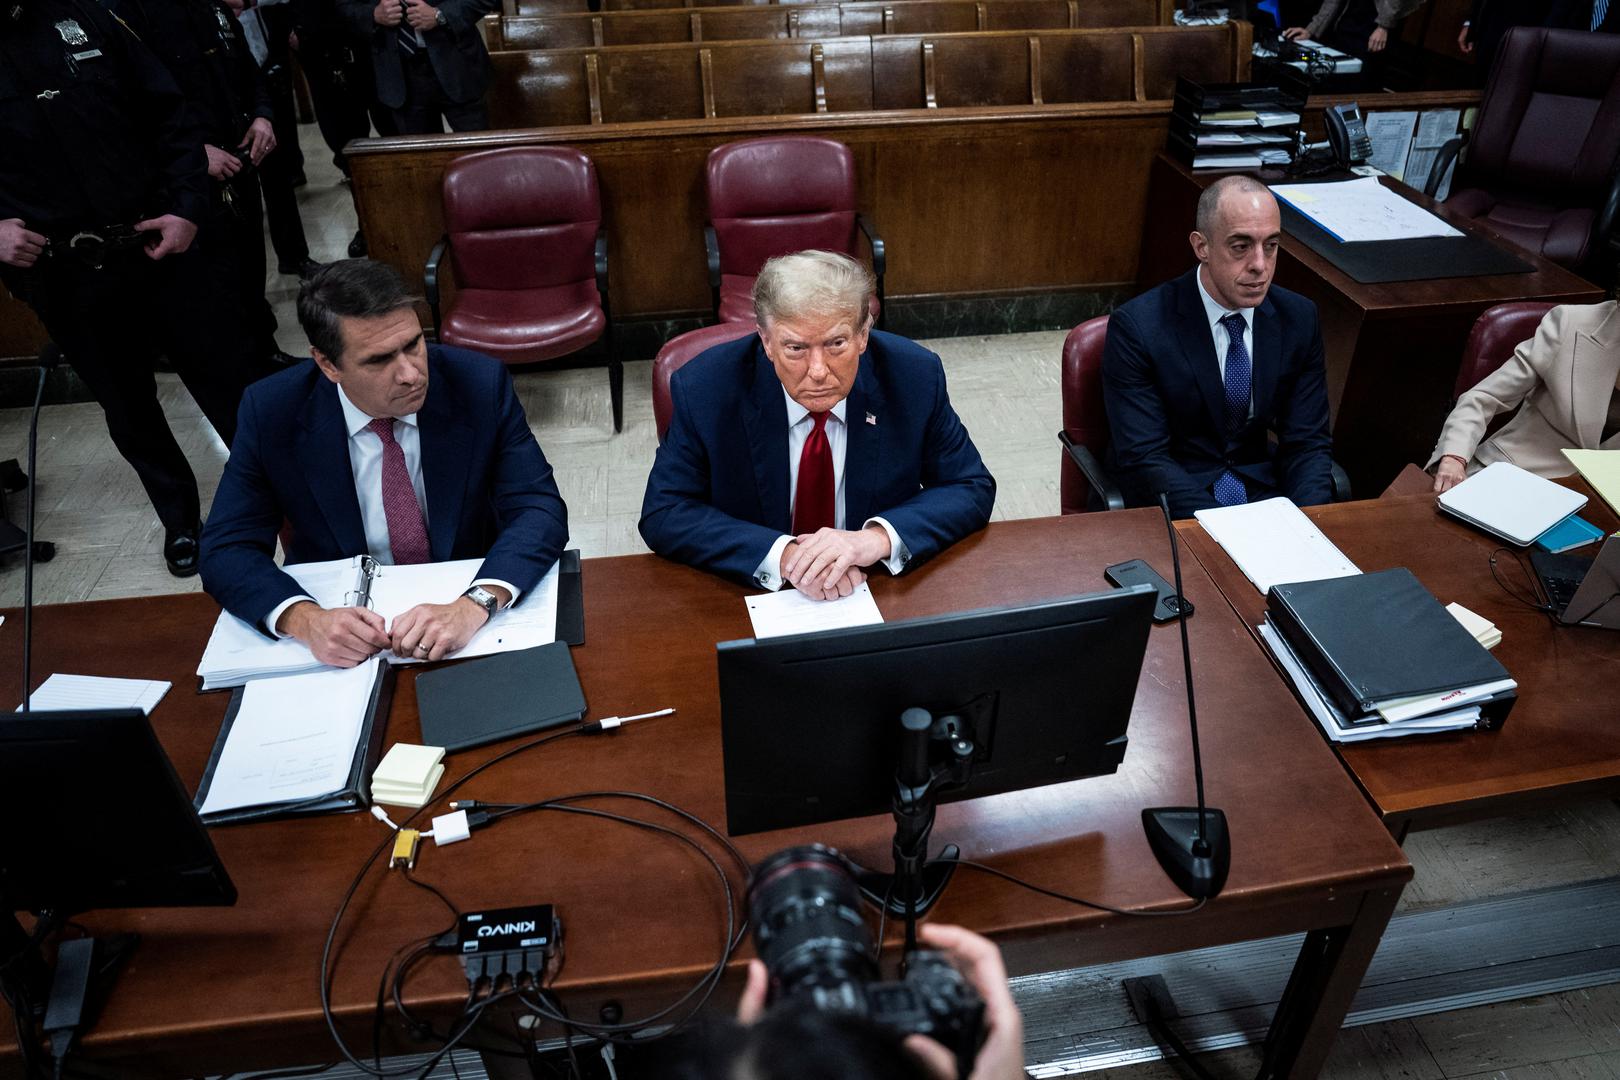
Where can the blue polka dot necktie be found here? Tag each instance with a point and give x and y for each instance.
(1229, 490)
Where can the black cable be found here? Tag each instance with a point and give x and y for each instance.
(1535, 600)
(1066, 898)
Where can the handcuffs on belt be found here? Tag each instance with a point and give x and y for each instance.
(93, 246)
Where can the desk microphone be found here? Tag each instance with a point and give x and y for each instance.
(48, 357)
(1190, 842)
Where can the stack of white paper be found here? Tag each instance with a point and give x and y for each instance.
(293, 739)
(1484, 631)
(97, 692)
(1342, 729)
(1274, 543)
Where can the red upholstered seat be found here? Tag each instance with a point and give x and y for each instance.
(1540, 168)
(770, 197)
(1084, 420)
(677, 351)
(1496, 333)
(523, 227)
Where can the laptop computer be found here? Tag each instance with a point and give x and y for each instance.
(1582, 590)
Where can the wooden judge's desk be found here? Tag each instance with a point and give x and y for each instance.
(222, 989)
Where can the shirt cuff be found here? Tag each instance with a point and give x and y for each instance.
(899, 554)
(768, 575)
(276, 612)
(507, 585)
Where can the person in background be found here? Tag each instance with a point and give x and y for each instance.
(1359, 27)
(429, 61)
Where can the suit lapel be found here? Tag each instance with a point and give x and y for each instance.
(1594, 366)
(863, 443)
(1198, 349)
(445, 437)
(765, 418)
(1267, 360)
(322, 449)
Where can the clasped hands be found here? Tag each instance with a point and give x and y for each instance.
(828, 563)
(419, 14)
(343, 637)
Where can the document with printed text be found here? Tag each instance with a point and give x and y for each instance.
(791, 612)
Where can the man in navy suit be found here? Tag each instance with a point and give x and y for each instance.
(1199, 370)
(815, 450)
(381, 446)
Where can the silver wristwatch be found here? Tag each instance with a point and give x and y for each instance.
(483, 598)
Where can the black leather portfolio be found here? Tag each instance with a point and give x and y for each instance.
(356, 794)
(1371, 638)
(496, 697)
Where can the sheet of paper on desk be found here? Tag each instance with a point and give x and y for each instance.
(530, 624)
(1273, 542)
(1601, 469)
(96, 692)
(791, 612)
(293, 738)
(1391, 135)
(1362, 209)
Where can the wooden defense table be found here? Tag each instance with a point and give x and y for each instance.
(1560, 743)
(1393, 349)
(213, 990)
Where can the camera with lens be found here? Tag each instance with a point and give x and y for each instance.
(806, 909)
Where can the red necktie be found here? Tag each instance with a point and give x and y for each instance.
(407, 533)
(813, 502)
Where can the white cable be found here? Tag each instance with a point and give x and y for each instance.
(382, 815)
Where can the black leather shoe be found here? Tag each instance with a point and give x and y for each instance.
(305, 270)
(357, 246)
(180, 550)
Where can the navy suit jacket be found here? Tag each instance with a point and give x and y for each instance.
(1166, 402)
(455, 50)
(718, 494)
(490, 492)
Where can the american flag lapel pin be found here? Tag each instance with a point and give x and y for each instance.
(871, 419)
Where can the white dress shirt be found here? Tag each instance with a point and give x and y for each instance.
(1215, 313)
(769, 574)
(365, 463)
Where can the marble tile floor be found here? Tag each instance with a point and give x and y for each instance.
(1006, 389)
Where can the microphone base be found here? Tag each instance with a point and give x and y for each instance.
(1172, 833)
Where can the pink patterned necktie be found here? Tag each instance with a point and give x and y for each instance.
(407, 533)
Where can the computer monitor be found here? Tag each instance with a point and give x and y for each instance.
(810, 724)
(98, 818)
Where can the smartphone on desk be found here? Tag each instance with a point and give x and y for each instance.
(1136, 572)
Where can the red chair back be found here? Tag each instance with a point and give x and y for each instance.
(523, 217)
(770, 197)
(1495, 335)
(674, 355)
(1083, 415)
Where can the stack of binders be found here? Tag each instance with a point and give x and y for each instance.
(1238, 125)
(1376, 656)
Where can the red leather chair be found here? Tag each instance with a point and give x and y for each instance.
(1540, 167)
(1496, 333)
(523, 227)
(1085, 424)
(770, 197)
(674, 355)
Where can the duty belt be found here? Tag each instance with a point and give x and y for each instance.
(94, 246)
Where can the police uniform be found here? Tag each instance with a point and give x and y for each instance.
(97, 137)
(202, 45)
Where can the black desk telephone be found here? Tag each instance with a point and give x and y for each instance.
(1347, 132)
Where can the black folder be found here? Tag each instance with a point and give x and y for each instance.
(1369, 638)
(355, 795)
(497, 697)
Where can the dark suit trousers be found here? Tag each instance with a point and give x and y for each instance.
(175, 304)
(425, 102)
(281, 169)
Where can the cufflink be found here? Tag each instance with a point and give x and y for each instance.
(763, 578)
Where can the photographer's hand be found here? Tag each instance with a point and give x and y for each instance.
(752, 1004)
(1002, 1055)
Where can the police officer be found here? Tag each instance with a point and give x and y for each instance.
(103, 181)
(204, 48)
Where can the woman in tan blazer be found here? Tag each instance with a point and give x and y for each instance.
(1565, 382)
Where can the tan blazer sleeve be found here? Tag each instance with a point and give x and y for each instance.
(1501, 391)
(1325, 16)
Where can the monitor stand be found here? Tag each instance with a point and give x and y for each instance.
(58, 995)
(914, 885)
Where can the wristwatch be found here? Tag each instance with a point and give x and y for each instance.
(440, 20)
(483, 598)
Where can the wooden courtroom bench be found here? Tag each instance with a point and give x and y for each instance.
(511, 8)
(709, 80)
(585, 29)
